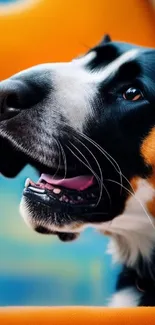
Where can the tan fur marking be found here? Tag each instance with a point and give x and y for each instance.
(148, 153)
(134, 183)
(151, 207)
(148, 148)
(76, 225)
(134, 186)
(107, 233)
(151, 180)
(151, 203)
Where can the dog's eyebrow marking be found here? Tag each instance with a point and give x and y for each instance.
(113, 67)
(86, 59)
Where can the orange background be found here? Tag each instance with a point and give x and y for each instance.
(77, 315)
(59, 30)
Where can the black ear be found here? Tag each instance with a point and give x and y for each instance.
(106, 39)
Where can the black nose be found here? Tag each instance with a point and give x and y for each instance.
(17, 95)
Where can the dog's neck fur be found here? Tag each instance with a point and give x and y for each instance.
(133, 232)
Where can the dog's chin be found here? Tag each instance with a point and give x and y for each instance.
(44, 221)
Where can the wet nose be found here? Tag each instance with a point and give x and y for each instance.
(19, 94)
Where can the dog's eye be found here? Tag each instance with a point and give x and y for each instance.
(133, 94)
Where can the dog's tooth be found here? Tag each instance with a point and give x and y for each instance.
(56, 191)
(37, 190)
(65, 198)
(27, 182)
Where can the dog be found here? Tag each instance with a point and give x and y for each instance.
(88, 128)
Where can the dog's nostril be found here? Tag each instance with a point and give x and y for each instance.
(15, 95)
(22, 92)
(10, 105)
(12, 100)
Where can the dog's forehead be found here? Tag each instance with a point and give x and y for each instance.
(101, 69)
(105, 53)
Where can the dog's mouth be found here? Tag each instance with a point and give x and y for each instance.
(67, 195)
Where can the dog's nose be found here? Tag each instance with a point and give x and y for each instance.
(17, 95)
(12, 97)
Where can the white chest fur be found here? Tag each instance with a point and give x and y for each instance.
(133, 232)
(128, 297)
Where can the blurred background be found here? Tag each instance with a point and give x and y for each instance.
(35, 269)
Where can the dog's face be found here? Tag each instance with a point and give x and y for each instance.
(85, 126)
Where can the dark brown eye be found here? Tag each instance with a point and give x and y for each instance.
(133, 94)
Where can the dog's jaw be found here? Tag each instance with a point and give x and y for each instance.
(132, 234)
(36, 221)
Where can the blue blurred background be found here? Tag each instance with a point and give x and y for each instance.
(40, 270)
(9, 1)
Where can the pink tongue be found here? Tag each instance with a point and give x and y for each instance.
(79, 183)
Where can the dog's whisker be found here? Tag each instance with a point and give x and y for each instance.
(134, 196)
(85, 45)
(57, 170)
(105, 153)
(87, 165)
(100, 171)
(96, 176)
(110, 158)
(64, 159)
(101, 179)
(81, 154)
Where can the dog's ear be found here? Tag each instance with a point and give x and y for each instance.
(106, 39)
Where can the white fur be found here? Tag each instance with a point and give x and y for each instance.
(128, 297)
(133, 232)
(86, 59)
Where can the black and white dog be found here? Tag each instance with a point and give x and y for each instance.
(88, 127)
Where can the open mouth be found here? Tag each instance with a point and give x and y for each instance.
(67, 195)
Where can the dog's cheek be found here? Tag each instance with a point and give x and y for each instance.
(66, 237)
